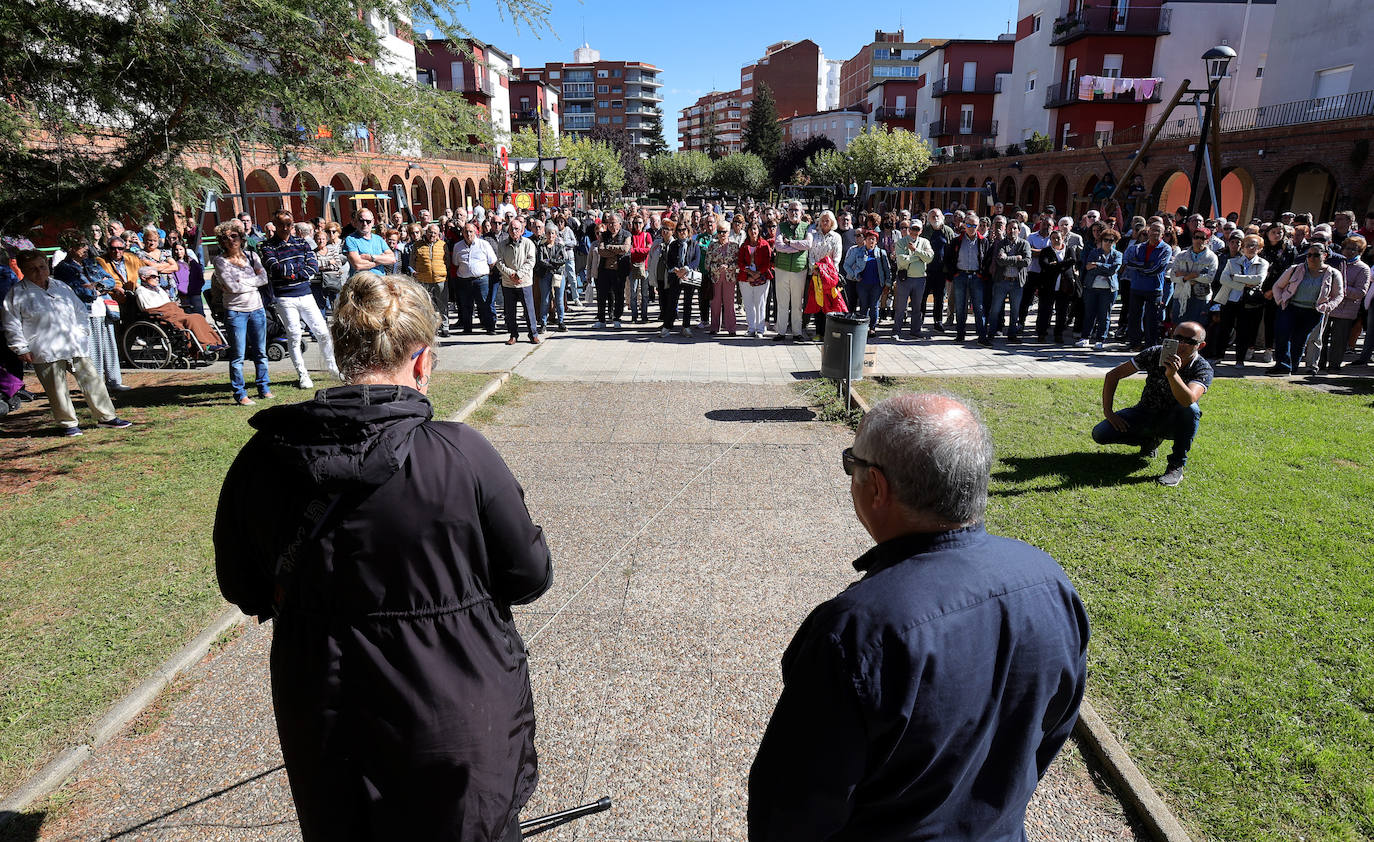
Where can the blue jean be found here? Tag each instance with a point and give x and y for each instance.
(1177, 423)
(1142, 323)
(247, 336)
(1292, 329)
(469, 293)
(524, 295)
(543, 298)
(1190, 309)
(639, 298)
(869, 295)
(1004, 288)
(968, 285)
(1097, 309)
(910, 291)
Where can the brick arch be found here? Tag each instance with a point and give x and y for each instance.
(224, 207)
(1057, 194)
(341, 182)
(306, 185)
(457, 198)
(419, 196)
(1237, 187)
(1006, 191)
(262, 208)
(1030, 194)
(1300, 188)
(1172, 189)
(470, 191)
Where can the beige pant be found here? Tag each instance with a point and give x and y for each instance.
(53, 376)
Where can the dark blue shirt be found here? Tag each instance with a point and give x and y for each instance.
(926, 700)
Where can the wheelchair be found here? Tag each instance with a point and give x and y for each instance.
(149, 341)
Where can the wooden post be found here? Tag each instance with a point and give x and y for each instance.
(1149, 140)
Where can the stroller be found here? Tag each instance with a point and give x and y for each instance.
(278, 342)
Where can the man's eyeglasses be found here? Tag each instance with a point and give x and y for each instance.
(850, 462)
(362, 220)
(970, 225)
(1186, 340)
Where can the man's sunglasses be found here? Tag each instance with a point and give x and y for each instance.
(1186, 340)
(850, 462)
(1200, 237)
(363, 221)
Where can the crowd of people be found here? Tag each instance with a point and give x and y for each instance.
(1290, 292)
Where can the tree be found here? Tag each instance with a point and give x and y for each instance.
(524, 144)
(762, 132)
(593, 166)
(794, 156)
(680, 173)
(102, 103)
(712, 144)
(886, 157)
(630, 160)
(743, 174)
(653, 132)
(1039, 143)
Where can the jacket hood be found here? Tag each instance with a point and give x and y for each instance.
(346, 436)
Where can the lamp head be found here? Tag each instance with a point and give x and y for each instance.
(1217, 60)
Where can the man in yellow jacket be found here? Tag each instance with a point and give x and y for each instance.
(431, 269)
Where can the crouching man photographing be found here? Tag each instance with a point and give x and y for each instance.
(928, 699)
(1176, 376)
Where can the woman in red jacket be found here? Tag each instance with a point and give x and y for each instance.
(755, 262)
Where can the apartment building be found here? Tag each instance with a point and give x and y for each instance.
(533, 101)
(718, 113)
(888, 58)
(840, 125)
(592, 91)
(483, 78)
(802, 79)
(958, 83)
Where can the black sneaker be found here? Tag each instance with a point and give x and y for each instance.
(1150, 449)
(24, 395)
(116, 423)
(1171, 477)
(69, 432)
(985, 341)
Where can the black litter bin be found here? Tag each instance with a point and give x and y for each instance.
(842, 355)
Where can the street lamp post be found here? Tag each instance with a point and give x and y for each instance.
(1215, 62)
(537, 116)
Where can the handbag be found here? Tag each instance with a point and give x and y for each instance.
(639, 271)
(693, 279)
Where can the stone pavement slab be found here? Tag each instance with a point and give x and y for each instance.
(693, 527)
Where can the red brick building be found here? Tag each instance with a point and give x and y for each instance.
(619, 94)
(889, 58)
(483, 78)
(794, 71)
(719, 112)
(964, 89)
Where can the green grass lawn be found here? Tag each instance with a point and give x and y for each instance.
(106, 564)
(1232, 647)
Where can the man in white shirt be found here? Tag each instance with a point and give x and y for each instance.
(470, 282)
(45, 325)
(505, 210)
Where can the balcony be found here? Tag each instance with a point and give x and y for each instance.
(889, 112)
(646, 94)
(975, 129)
(578, 122)
(579, 90)
(1064, 94)
(956, 86)
(1109, 21)
(643, 79)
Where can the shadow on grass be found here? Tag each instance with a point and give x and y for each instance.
(21, 827)
(35, 419)
(1088, 469)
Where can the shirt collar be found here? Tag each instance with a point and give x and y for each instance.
(903, 547)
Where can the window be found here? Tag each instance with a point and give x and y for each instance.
(524, 103)
(615, 74)
(1031, 79)
(747, 91)
(579, 76)
(882, 54)
(748, 77)
(617, 119)
(1035, 24)
(553, 75)
(615, 90)
(1111, 65)
(617, 103)
(1102, 133)
(605, 121)
(966, 119)
(457, 74)
(601, 103)
(1331, 86)
(603, 89)
(602, 74)
(849, 124)
(970, 76)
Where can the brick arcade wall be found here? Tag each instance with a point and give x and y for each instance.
(1264, 160)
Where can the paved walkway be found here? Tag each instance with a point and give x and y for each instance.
(692, 527)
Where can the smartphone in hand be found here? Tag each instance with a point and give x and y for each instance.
(1169, 349)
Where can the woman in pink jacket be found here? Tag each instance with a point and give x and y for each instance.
(1305, 293)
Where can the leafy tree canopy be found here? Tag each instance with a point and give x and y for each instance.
(743, 174)
(794, 156)
(762, 132)
(103, 100)
(680, 173)
(593, 166)
(631, 162)
(886, 157)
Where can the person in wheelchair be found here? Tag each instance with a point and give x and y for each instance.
(153, 300)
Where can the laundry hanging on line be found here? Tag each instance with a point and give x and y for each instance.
(1091, 86)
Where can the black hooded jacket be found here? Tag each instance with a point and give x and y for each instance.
(390, 548)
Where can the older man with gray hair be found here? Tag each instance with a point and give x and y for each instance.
(928, 699)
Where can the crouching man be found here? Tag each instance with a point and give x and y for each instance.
(1168, 405)
(927, 700)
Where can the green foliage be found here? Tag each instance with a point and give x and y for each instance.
(593, 166)
(525, 144)
(762, 132)
(1039, 143)
(794, 156)
(101, 102)
(742, 174)
(653, 131)
(680, 173)
(886, 157)
(634, 181)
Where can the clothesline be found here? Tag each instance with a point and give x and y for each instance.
(1143, 88)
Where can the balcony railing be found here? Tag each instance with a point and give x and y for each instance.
(1062, 94)
(1109, 20)
(957, 86)
(978, 128)
(579, 90)
(892, 112)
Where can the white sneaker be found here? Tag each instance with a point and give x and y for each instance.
(1082, 343)
(306, 382)
(687, 332)
(663, 332)
(617, 325)
(1098, 347)
(599, 325)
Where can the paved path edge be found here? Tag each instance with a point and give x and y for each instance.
(1093, 732)
(493, 386)
(120, 714)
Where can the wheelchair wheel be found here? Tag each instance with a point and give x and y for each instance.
(147, 345)
(275, 352)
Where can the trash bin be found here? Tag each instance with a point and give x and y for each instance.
(846, 338)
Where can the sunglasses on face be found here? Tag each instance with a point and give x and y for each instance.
(364, 222)
(1200, 237)
(1185, 340)
(850, 462)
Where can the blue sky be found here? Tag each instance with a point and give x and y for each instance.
(701, 45)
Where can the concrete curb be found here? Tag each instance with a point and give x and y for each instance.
(493, 386)
(120, 714)
(1094, 733)
(1151, 809)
